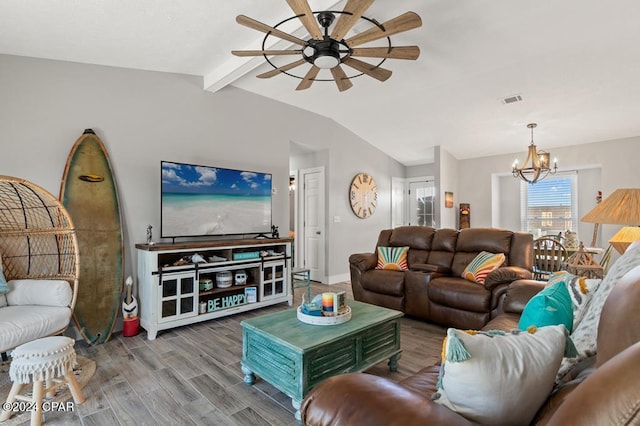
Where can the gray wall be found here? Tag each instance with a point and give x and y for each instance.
(446, 176)
(347, 160)
(420, 170)
(145, 117)
(604, 166)
(343, 155)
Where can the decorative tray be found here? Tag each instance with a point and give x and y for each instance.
(324, 320)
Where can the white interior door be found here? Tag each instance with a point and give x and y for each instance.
(421, 203)
(313, 238)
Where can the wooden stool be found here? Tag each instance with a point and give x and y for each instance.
(301, 278)
(42, 360)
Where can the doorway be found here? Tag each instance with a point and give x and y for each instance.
(421, 203)
(413, 202)
(309, 240)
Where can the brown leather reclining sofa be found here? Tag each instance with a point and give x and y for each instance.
(433, 288)
(604, 390)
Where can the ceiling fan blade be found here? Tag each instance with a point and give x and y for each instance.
(354, 10)
(302, 8)
(341, 79)
(259, 26)
(380, 74)
(281, 69)
(399, 52)
(308, 78)
(265, 52)
(406, 21)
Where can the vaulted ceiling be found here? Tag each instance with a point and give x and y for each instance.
(574, 63)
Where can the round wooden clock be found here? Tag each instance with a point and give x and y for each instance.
(363, 195)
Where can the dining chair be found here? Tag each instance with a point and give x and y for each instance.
(549, 256)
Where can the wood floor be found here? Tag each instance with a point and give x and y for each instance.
(191, 375)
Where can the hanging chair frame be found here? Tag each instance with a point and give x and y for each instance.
(37, 236)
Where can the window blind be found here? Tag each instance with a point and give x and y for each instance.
(550, 206)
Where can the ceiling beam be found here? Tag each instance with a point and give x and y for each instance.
(236, 67)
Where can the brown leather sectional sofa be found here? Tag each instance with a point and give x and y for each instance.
(604, 389)
(433, 288)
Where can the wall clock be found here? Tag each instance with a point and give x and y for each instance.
(363, 195)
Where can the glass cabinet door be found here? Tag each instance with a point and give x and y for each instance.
(177, 296)
(274, 280)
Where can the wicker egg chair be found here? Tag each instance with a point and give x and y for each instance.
(37, 238)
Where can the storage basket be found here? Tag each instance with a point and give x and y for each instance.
(224, 279)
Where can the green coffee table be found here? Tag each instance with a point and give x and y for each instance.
(294, 356)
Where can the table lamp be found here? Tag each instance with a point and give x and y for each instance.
(620, 208)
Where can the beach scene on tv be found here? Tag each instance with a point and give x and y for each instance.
(203, 200)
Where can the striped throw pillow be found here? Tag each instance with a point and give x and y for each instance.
(392, 258)
(481, 265)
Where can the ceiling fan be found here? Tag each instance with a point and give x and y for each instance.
(327, 47)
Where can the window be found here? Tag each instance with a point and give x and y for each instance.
(550, 206)
(422, 194)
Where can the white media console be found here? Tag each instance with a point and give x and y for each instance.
(174, 291)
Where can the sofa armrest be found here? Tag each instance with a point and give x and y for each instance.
(363, 261)
(519, 293)
(364, 399)
(426, 267)
(610, 395)
(506, 275)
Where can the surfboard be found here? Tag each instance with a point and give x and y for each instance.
(89, 193)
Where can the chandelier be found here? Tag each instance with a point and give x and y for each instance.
(537, 165)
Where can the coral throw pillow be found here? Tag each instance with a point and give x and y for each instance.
(392, 258)
(481, 265)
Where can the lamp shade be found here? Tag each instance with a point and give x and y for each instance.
(624, 237)
(620, 208)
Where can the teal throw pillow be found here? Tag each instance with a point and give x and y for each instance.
(4, 287)
(552, 306)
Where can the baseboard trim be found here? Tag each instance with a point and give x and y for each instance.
(335, 279)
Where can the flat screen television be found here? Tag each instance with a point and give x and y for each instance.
(204, 200)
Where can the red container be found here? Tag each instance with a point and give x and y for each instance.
(130, 327)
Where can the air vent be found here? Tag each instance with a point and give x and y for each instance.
(511, 99)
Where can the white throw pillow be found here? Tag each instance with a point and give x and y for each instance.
(585, 335)
(39, 292)
(499, 378)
